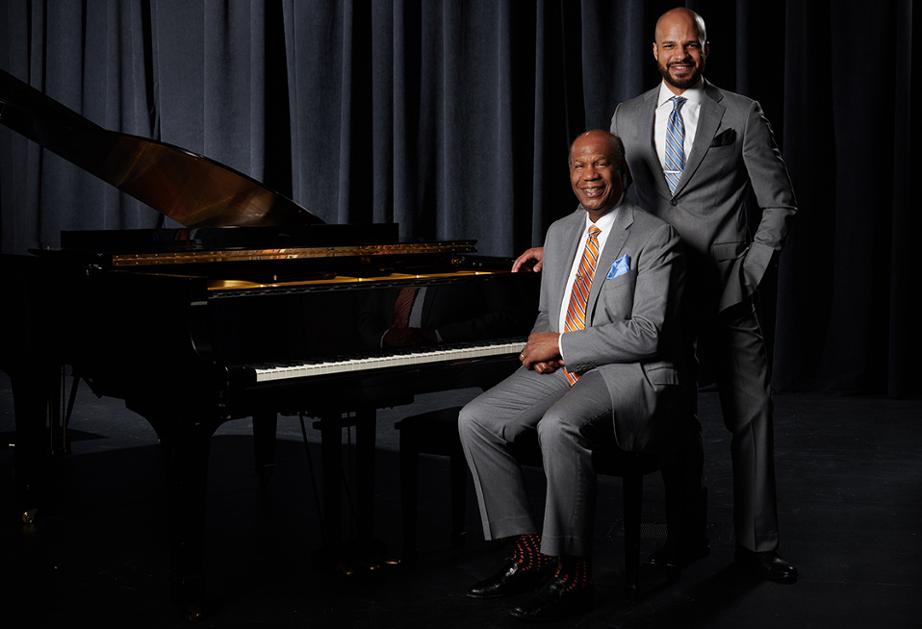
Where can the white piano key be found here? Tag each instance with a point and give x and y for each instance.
(383, 362)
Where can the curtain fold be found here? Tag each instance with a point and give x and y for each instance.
(905, 301)
(453, 119)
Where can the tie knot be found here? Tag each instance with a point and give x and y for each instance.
(677, 102)
(594, 232)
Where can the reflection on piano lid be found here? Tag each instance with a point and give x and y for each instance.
(191, 189)
(332, 278)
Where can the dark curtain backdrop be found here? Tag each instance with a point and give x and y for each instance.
(453, 119)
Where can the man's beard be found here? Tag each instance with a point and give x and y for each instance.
(682, 85)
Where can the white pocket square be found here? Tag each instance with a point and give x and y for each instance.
(619, 267)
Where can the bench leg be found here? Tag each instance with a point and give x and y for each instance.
(632, 489)
(458, 495)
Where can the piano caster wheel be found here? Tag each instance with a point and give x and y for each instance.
(342, 569)
(189, 599)
(28, 517)
(194, 613)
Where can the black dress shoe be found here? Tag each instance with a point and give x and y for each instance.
(766, 565)
(511, 579)
(553, 602)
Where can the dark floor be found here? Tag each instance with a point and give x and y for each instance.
(849, 474)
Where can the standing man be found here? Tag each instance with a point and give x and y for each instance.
(599, 365)
(703, 159)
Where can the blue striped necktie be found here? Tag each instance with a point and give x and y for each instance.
(675, 144)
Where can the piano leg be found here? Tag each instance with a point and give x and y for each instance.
(265, 427)
(365, 425)
(331, 457)
(185, 442)
(362, 551)
(39, 431)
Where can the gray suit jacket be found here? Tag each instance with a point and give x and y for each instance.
(734, 170)
(632, 336)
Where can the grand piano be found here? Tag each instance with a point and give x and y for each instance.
(252, 306)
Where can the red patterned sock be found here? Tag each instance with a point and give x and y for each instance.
(527, 552)
(576, 572)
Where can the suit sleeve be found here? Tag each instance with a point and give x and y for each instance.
(543, 321)
(631, 194)
(614, 121)
(774, 194)
(660, 270)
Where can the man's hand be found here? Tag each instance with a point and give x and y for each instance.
(542, 351)
(548, 366)
(535, 254)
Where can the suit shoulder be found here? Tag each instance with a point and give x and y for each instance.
(731, 99)
(566, 221)
(647, 221)
(654, 231)
(636, 103)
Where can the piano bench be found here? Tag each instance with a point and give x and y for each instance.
(436, 432)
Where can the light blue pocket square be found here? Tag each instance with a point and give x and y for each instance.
(619, 267)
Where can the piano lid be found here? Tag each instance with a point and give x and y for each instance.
(191, 189)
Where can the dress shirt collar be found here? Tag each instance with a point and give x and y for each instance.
(693, 94)
(605, 221)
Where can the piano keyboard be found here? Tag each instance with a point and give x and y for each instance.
(385, 362)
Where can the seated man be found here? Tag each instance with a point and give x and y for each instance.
(599, 365)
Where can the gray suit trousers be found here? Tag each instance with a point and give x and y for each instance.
(743, 379)
(568, 421)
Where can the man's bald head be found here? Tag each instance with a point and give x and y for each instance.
(615, 145)
(682, 15)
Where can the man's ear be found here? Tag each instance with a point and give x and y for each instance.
(656, 52)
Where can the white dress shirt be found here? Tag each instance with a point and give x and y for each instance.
(690, 112)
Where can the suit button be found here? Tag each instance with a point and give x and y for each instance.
(673, 202)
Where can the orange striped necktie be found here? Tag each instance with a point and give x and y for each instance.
(579, 297)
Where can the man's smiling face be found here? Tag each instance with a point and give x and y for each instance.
(680, 50)
(594, 173)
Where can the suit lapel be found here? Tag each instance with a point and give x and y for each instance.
(647, 124)
(613, 246)
(570, 240)
(712, 113)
